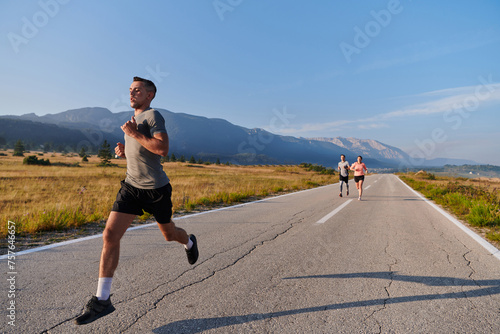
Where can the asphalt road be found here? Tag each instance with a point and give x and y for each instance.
(308, 262)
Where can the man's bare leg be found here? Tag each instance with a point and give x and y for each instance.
(100, 304)
(174, 233)
(116, 226)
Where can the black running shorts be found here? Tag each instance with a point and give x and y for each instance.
(359, 178)
(343, 178)
(157, 202)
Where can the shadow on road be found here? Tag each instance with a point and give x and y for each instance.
(485, 288)
(394, 276)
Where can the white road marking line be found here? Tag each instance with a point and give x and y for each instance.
(489, 247)
(368, 187)
(334, 212)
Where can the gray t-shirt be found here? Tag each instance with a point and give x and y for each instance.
(343, 171)
(144, 169)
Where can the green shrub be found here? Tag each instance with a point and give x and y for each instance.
(312, 184)
(317, 168)
(189, 205)
(484, 214)
(145, 216)
(494, 235)
(235, 197)
(204, 201)
(33, 160)
(429, 176)
(458, 203)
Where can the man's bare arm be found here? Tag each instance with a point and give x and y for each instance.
(158, 144)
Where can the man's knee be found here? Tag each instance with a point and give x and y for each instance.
(110, 237)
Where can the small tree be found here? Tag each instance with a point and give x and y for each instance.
(217, 162)
(192, 160)
(19, 149)
(105, 154)
(182, 159)
(165, 159)
(173, 158)
(82, 153)
(47, 147)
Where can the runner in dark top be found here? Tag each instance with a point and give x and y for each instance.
(146, 187)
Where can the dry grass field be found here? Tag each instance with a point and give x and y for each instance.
(64, 196)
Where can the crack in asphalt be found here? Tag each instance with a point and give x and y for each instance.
(261, 243)
(386, 288)
(472, 273)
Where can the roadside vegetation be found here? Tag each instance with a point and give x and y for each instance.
(475, 201)
(71, 192)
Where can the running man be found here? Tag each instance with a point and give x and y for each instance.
(359, 169)
(343, 174)
(146, 186)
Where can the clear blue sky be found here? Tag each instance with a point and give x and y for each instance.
(423, 76)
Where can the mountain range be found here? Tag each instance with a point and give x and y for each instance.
(205, 138)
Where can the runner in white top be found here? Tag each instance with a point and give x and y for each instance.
(343, 167)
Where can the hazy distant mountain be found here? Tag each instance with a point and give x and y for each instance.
(36, 134)
(439, 162)
(201, 137)
(369, 148)
(389, 154)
